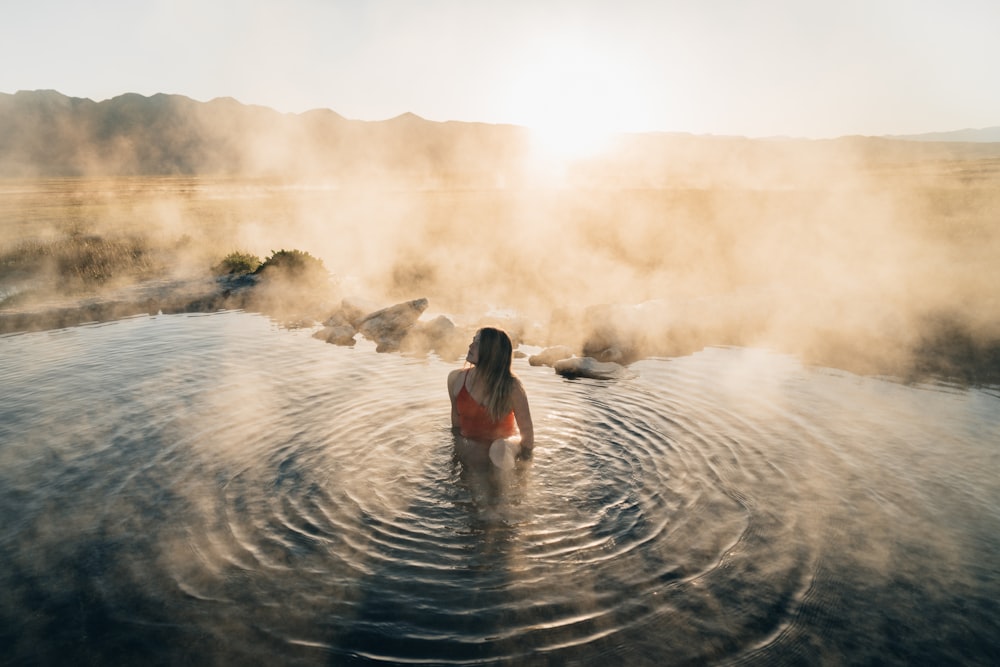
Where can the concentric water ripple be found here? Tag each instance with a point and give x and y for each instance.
(216, 489)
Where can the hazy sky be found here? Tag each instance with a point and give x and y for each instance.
(813, 68)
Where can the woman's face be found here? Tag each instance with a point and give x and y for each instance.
(473, 355)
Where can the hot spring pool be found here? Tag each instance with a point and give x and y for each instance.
(217, 490)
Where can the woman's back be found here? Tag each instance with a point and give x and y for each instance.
(474, 419)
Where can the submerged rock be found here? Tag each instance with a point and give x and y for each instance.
(589, 367)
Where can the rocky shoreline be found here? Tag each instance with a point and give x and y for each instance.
(394, 328)
(150, 297)
(599, 343)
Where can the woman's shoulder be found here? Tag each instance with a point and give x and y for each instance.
(455, 379)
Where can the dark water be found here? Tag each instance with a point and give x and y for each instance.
(216, 490)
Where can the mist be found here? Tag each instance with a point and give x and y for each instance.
(866, 254)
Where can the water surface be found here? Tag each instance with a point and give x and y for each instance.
(216, 489)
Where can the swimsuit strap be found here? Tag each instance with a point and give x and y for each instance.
(465, 386)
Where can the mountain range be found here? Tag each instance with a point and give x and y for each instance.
(44, 133)
(968, 135)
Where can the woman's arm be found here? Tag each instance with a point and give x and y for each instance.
(522, 415)
(453, 381)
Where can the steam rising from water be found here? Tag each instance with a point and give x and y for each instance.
(832, 250)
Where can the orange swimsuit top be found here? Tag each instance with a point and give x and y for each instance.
(474, 420)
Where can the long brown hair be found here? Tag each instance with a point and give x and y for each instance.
(493, 370)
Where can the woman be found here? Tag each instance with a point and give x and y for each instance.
(488, 402)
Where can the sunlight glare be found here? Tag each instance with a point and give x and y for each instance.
(574, 102)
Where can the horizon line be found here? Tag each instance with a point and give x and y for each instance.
(918, 136)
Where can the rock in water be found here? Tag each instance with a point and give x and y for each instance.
(438, 335)
(550, 355)
(355, 309)
(388, 326)
(589, 367)
(337, 335)
(337, 330)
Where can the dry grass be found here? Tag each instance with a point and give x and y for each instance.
(84, 260)
(77, 264)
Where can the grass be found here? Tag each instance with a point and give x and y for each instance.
(81, 262)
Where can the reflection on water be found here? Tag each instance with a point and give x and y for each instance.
(215, 489)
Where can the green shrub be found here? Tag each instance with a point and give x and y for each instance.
(238, 262)
(294, 264)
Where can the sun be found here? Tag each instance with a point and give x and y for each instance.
(565, 138)
(574, 101)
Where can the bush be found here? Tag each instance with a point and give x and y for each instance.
(292, 286)
(238, 262)
(294, 264)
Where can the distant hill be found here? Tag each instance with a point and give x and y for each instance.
(983, 135)
(45, 133)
